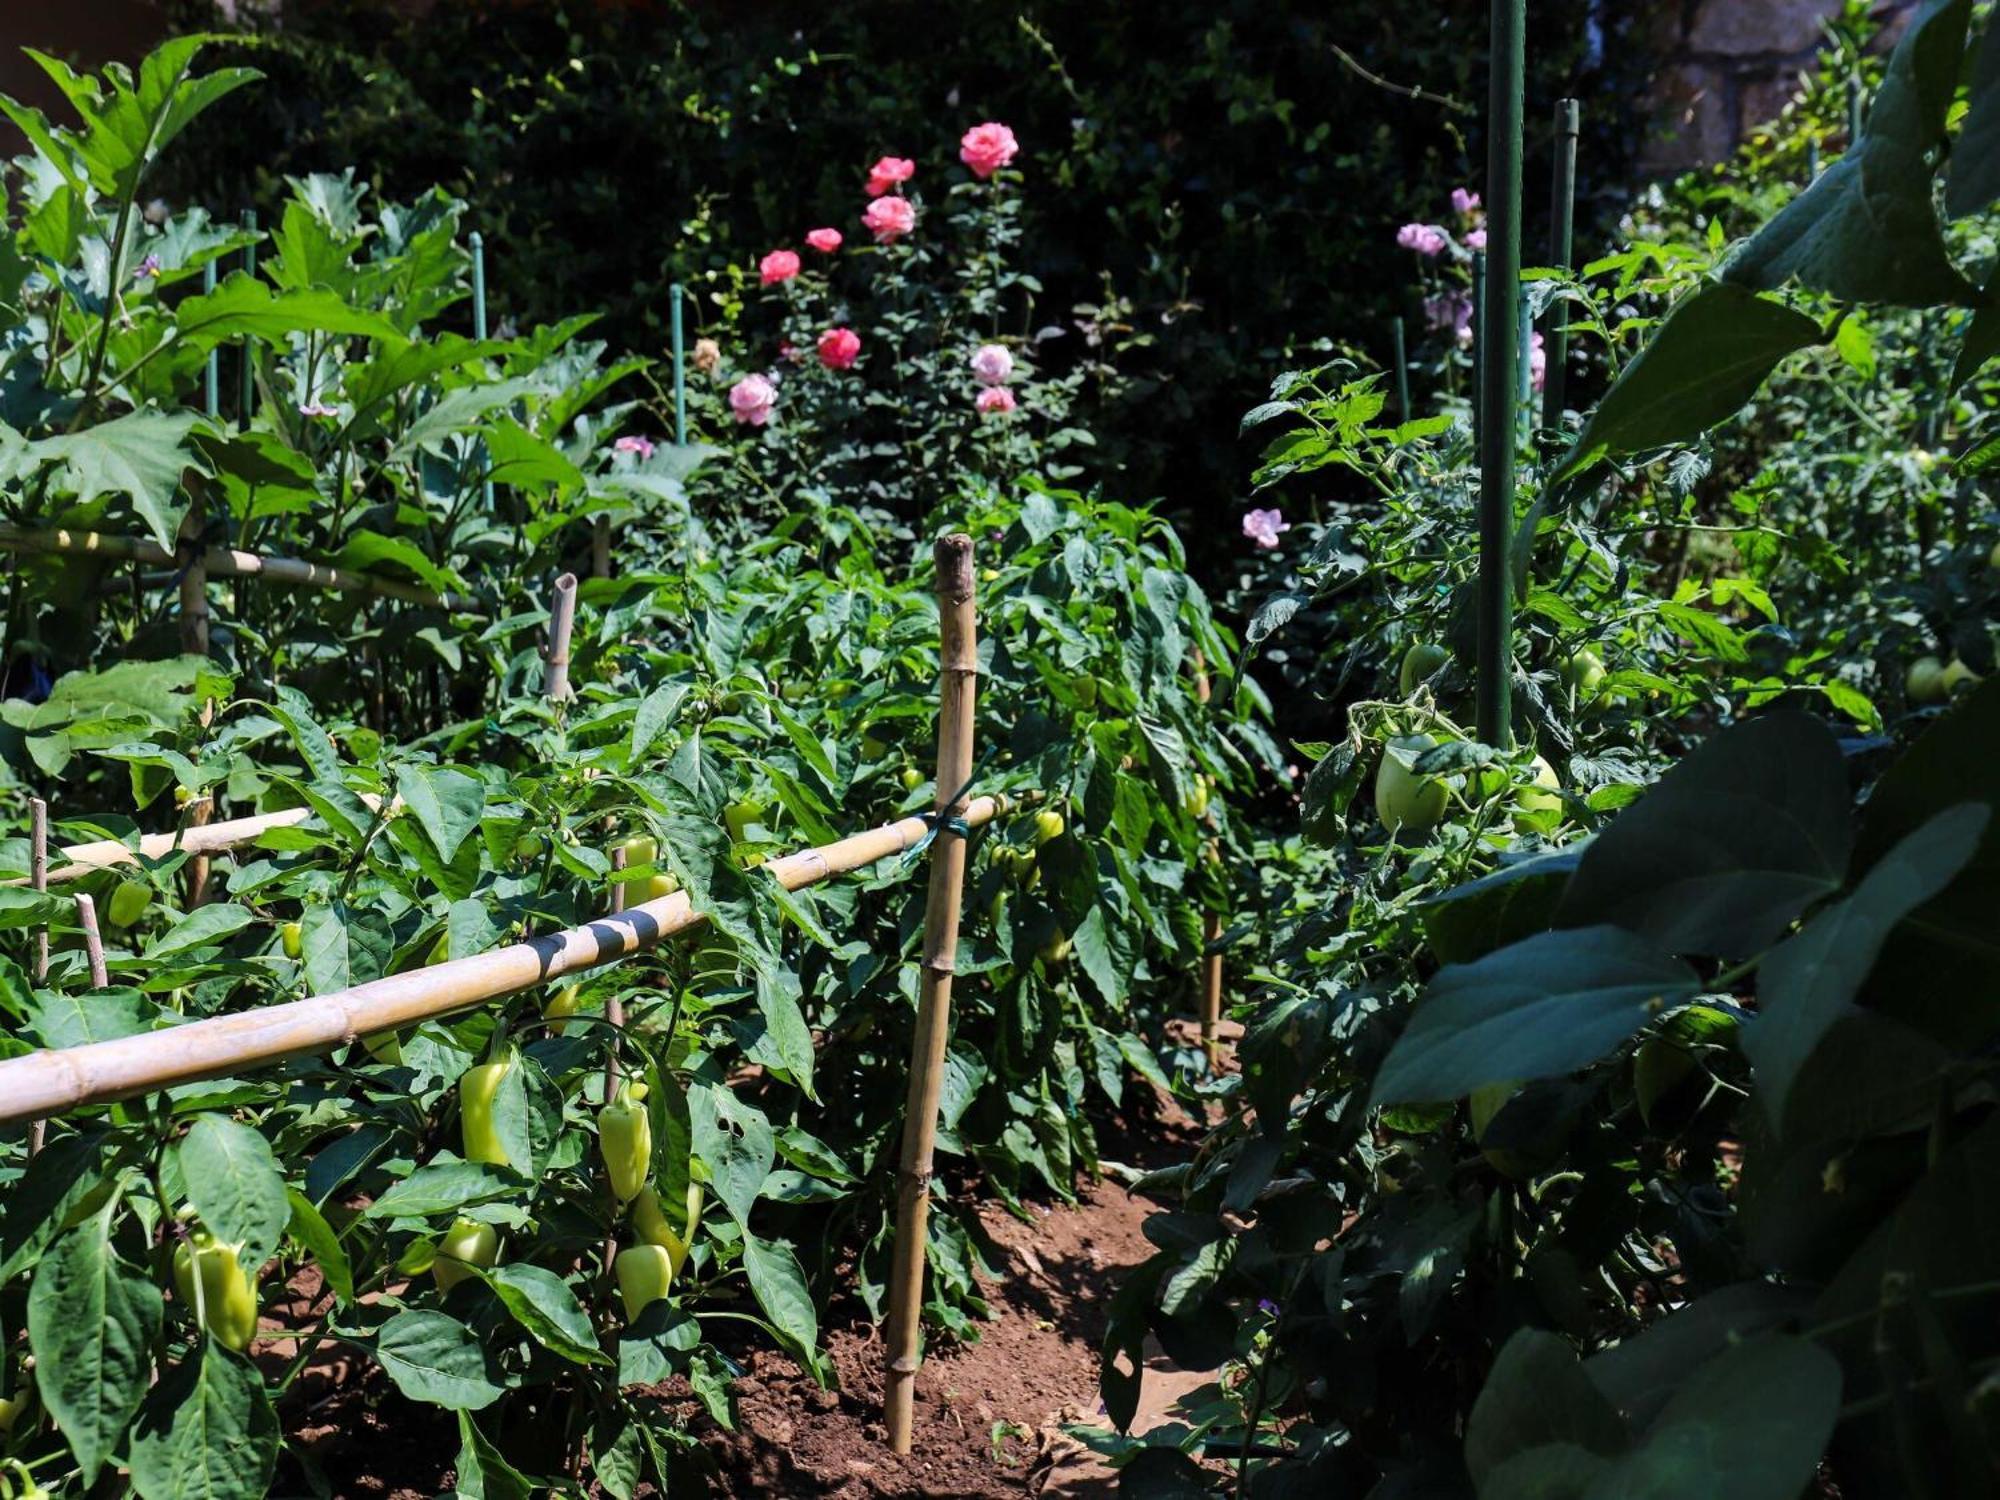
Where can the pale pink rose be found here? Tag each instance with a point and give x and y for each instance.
(987, 148)
(1425, 239)
(1464, 201)
(994, 400)
(992, 365)
(779, 265)
(707, 356)
(751, 400)
(1538, 363)
(642, 446)
(1265, 526)
(318, 409)
(1475, 239)
(888, 172)
(889, 219)
(839, 348)
(826, 241)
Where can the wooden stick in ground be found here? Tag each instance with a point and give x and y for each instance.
(562, 619)
(1211, 987)
(228, 562)
(600, 547)
(957, 690)
(93, 941)
(79, 860)
(38, 878)
(51, 1081)
(614, 1012)
(199, 812)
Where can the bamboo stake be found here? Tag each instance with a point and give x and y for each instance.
(600, 547)
(199, 812)
(80, 860)
(958, 677)
(49, 1082)
(93, 942)
(38, 878)
(562, 618)
(228, 562)
(1211, 988)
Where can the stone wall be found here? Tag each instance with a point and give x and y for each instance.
(1727, 66)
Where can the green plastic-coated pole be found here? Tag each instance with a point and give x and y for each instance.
(680, 366)
(477, 243)
(1812, 161)
(1478, 342)
(1499, 365)
(1396, 337)
(211, 393)
(247, 394)
(1562, 254)
(1854, 104)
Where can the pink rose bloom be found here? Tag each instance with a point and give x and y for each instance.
(888, 172)
(751, 400)
(826, 241)
(642, 446)
(992, 365)
(1538, 363)
(839, 348)
(987, 148)
(1265, 526)
(318, 409)
(1452, 310)
(1425, 239)
(1464, 201)
(779, 265)
(1475, 239)
(889, 219)
(994, 400)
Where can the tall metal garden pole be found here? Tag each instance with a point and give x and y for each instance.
(38, 877)
(1478, 343)
(958, 669)
(1854, 110)
(1524, 372)
(1562, 252)
(477, 242)
(247, 394)
(1498, 370)
(680, 366)
(1396, 337)
(211, 394)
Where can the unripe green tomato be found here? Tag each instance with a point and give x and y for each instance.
(1420, 663)
(912, 778)
(1585, 672)
(1956, 675)
(873, 748)
(129, 902)
(292, 938)
(1542, 794)
(1086, 692)
(528, 847)
(1048, 827)
(645, 1273)
(467, 1243)
(1403, 799)
(1924, 682)
(740, 817)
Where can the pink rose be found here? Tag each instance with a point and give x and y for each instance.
(640, 445)
(1464, 201)
(994, 400)
(1451, 310)
(992, 365)
(826, 241)
(751, 400)
(1475, 239)
(1265, 526)
(1425, 239)
(987, 148)
(839, 348)
(1538, 363)
(779, 265)
(889, 219)
(887, 172)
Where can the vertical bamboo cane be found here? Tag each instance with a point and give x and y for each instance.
(1562, 252)
(93, 942)
(958, 662)
(562, 617)
(247, 393)
(1498, 376)
(200, 812)
(600, 547)
(38, 877)
(194, 642)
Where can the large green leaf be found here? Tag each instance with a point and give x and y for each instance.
(1537, 1393)
(447, 804)
(435, 1359)
(1640, 1376)
(1974, 177)
(206, 1432)
(1982, 339)
(1810, 980)
(242, 305)
(235, 1186)
(92, 1320)
(140, 456)
(542, 1303)
(1866, 229)
(779, 1285)
(733, 1140)
(1544, 1007)
(1715, 349)
(1733, 843)
(1514, 901)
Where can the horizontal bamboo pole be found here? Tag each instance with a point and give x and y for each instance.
(231, 563)
(80, 860)
(49, 1082)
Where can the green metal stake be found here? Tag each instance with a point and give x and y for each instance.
(247, 396)
(212, 382)
(1499, 368)
(477, 242)
(1562, 254)
(1854, 99)
(1478, 342)
(1812, 161)
(680, 366)
(1402, 369)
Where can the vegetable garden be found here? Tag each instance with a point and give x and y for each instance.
(544, 873)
